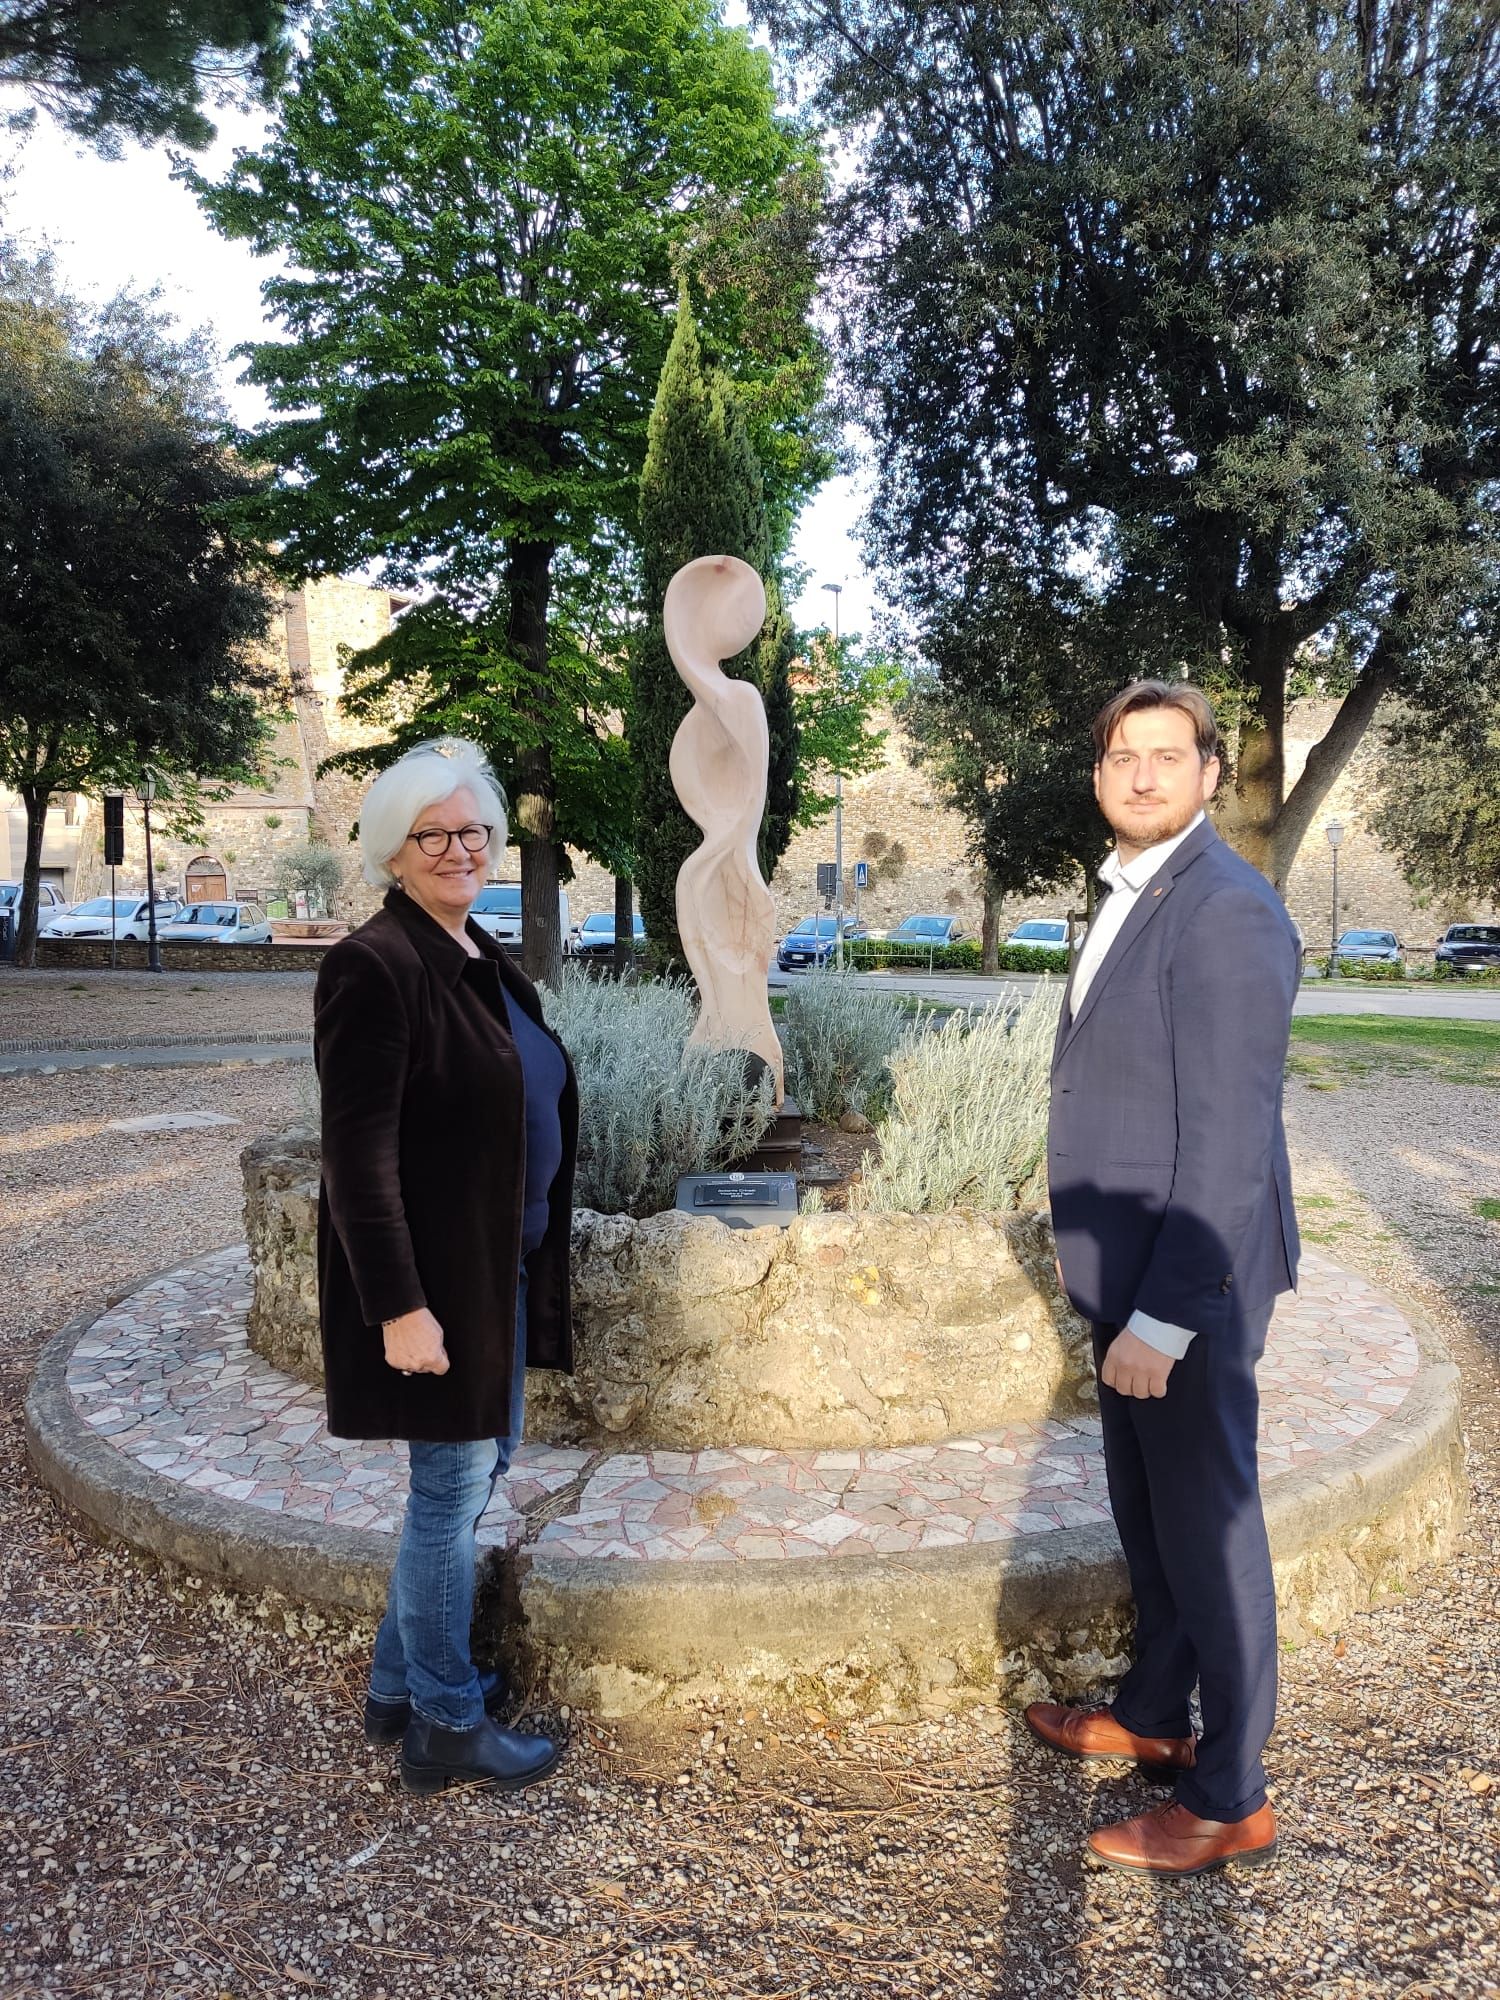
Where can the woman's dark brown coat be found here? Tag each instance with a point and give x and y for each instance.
(424, 1154)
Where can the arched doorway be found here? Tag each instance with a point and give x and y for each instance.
(205, 880)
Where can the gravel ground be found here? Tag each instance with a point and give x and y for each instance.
(58, 1006)
(187, 1808)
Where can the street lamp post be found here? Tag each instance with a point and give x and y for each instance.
(145, 791)
(1335, 834)
(838, 810)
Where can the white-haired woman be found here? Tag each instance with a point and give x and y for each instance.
(450, 1121)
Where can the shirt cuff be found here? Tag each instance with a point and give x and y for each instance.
(1160, 1334)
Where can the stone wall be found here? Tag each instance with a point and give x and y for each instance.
(1372, 890)
(915, 846)
(130, 956)
(839, 1331)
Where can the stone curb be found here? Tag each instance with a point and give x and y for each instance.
(621, 1636)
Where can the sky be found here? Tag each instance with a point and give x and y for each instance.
(125, 222)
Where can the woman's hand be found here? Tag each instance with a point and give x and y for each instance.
(414, 1344)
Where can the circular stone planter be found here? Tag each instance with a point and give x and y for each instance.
(837, 1331)
(887, 1579)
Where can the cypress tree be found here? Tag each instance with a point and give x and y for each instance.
(701, 495)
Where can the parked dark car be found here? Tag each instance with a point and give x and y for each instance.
(596, 938)
(1382, 946)
(925, 930)
(811, 944)
(1464, 945)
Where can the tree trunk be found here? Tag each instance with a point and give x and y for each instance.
(1262, 820)
(624, 926)
(541, 918)
(1254, 803)
(35, 802)
(989, 930)
(1326, 761)
(529, 580)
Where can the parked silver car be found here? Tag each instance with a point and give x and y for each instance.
(218, 923)
(497, 909)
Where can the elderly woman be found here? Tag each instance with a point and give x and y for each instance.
(450, 1120)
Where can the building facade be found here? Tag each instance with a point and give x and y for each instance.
(235, 851)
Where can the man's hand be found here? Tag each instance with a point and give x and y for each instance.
(414, 1344)
(1133, 1367)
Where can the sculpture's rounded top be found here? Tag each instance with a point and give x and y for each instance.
(714, 607)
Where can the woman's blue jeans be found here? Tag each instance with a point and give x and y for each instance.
(422, 1648)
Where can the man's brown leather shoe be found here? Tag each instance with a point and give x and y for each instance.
(1173, 1841)
(1093, 1732)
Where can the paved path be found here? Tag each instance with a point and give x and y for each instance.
(944, 991)
(46, 1062)
(169, 1378)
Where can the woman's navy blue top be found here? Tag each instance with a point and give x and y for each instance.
(545, 1075)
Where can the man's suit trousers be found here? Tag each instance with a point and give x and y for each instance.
(1186, 1497)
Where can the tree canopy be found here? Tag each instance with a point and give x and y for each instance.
(109, 70)
(1437, 802)
(1017, 768)
(131, 614)
(1180, 324)
(484, 212)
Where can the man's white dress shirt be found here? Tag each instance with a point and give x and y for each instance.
(1125, 881)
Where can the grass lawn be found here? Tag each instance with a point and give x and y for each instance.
(1330, 1050)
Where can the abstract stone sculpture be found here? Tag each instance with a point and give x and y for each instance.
(720, 756)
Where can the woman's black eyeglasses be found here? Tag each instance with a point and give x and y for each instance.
(435, 841)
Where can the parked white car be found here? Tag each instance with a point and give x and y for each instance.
(131, 919)
(218, 923)
(497, 909)
(50, 901)
(1044, 934)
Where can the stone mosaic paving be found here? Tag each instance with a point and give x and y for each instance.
(168, 1377)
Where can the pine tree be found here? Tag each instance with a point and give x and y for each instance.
(701, 495)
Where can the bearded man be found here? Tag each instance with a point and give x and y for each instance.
(1172, 1205)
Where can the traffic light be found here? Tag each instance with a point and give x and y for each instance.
(114, 829)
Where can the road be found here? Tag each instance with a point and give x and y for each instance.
(1450, 1003)
(1480, 1003)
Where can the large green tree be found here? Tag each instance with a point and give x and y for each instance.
(1018, 771)
(482, 208)
(442, 672)
(1437, 803)
(1182, 320)
(137, 69)
(840, 688)
(701, 494)
(132, 615)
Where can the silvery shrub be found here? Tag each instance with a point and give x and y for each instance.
(838, 1035)
(650, 1108)
(968, 1121)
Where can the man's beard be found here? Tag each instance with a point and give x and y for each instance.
(1151, 829)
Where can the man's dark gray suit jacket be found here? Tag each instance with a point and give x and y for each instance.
(1171, 1189)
